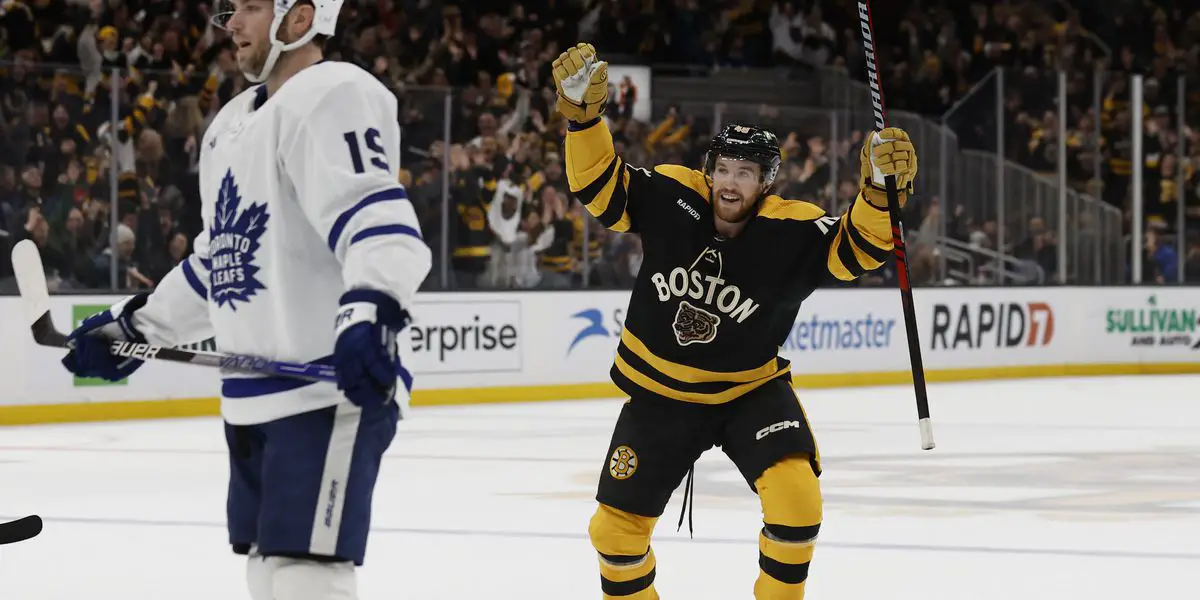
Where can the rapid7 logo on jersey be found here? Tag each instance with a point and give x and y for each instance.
(371, 137)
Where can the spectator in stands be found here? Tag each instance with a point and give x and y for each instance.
(37, 228)
(1192, 264)
(519, 237)
(75, 243)
(558, 263)
(128, 275)
(1160, 261)
(28, 193)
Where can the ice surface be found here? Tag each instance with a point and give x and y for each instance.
(1055, 489)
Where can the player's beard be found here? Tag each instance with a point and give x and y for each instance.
(253, 58)
(732, 212)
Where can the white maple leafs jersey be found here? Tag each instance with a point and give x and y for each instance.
(300, 202)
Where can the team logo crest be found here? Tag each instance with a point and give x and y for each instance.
(233, 244)
(623, 463)
(694, 325)
(704, 298)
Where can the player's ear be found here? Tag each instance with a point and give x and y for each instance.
(300, 19)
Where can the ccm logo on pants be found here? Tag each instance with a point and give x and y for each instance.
(780, 426)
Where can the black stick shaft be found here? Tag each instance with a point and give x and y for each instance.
(906, 296)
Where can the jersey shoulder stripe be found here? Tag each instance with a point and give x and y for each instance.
(689, 178)
(774, 207)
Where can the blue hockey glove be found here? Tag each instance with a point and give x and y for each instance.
(365, 354)
(90, 356)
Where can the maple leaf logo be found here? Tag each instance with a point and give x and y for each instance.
(234, 244)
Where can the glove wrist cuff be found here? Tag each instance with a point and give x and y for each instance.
(576, 126)
(128, 306)
(352, 314)
(877, 197)
(383, 309)
(122, 315)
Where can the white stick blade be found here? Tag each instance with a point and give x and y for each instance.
(31, 279)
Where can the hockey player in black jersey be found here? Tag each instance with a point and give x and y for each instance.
(725, 268)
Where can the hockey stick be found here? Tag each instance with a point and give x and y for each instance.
(20, 530)
(910, 312)
(35, 299)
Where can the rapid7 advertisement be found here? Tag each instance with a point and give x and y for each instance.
(986, 324)
(986, 327)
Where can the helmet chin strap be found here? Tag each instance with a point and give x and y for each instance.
(278, 48)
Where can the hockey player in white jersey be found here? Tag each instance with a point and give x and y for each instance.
(311, 253)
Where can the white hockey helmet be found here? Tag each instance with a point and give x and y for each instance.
(324, 23)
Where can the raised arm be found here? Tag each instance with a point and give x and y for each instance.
(622, 197)
(860, 240)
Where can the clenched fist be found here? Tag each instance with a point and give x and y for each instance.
(582, 83)
(888, 152)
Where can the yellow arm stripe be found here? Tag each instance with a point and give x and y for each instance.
(680, 372)
(864, 255)
(588, 155)
(873, 223)
(862, 241)
(593, 173)
(867, 252)
(837, 264)
(604, 200)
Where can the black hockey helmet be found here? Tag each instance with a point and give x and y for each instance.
(746, 142)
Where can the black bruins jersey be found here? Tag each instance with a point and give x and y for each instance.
(708, 314)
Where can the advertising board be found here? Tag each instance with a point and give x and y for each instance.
(464, 336)
(514, 346)
(999, 327)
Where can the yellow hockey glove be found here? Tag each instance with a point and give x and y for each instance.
(582, 84)
(888, 152)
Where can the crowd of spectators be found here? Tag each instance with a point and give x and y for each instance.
(944, 58)
(497, 199)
